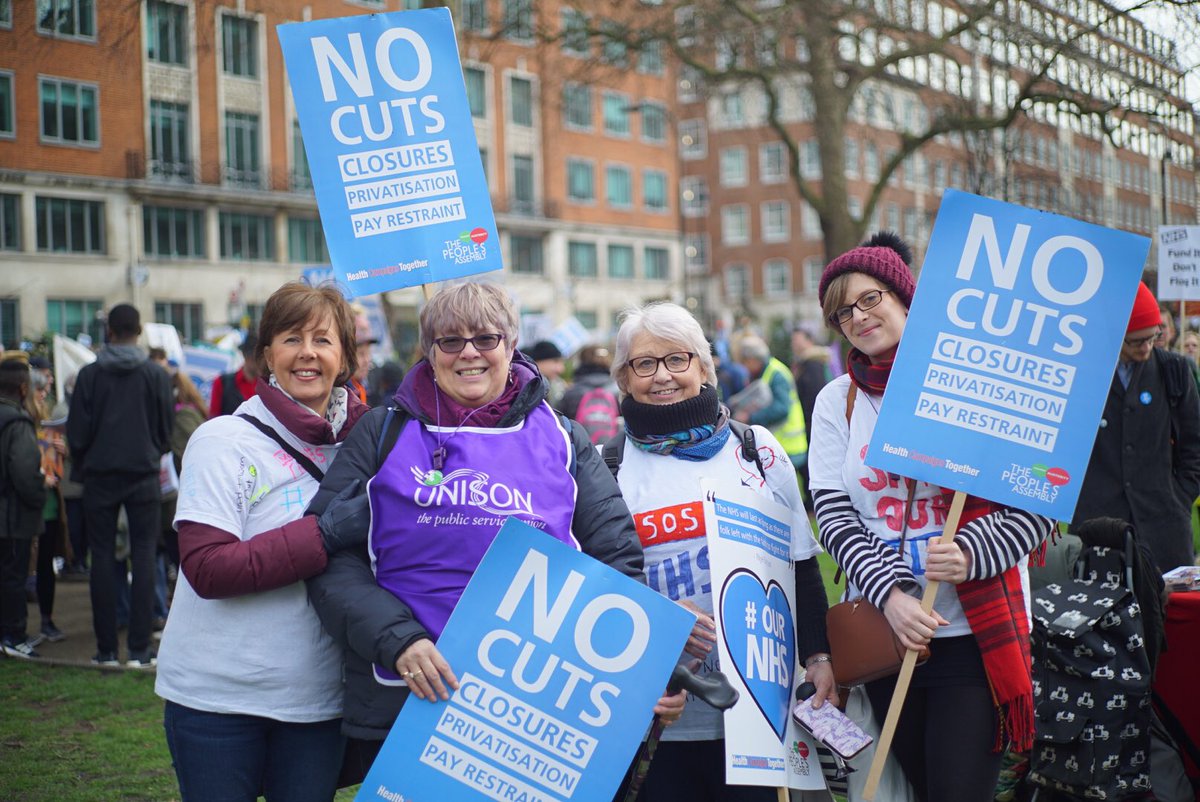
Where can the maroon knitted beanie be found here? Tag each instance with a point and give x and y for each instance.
(885, 257)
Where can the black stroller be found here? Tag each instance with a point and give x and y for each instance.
(1096, 638)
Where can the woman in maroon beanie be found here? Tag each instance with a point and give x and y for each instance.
(975, 692)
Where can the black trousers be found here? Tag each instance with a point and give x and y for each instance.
(48, 543)
(14, 570)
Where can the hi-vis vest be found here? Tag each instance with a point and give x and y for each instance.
(790, 433)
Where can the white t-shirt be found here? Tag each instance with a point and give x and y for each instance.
(665, 497)
(835, 462)
(262, 654)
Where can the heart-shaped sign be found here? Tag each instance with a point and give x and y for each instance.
(760, 635)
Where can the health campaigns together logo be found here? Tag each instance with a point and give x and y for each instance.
(1036, 481)
(468, 247)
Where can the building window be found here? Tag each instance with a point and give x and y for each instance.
(166, 32)
(10, 222)
(239, 43)
(248, 237)
(654, 123)
(654, 190)
(620, 261)
(587, 318)
(813, 268)
(518, 19)
(474, 15)
(577, 106)
(650, 58)
(306, 241)
(173, 233)
(8, 119)
(734, 167)
(692, 142)
(810, 221)
(777, 278)
(582, 259)
(73, 18)
(616, 114)
(776, 221)
(737, 283)
(574, 33)
(522, 192)
(170, 155)
(10, 322)
(241, 149)
(772, 163)
(301, 174)
(810, 160)
(693, 192)
(618, 185)
(5, 13)
(695, 254)
(70, 224)
(613, 49)
(70, 112)
(871, 162)
(526, 254)
(581, 180)
(70, 318)
(735, 224)
(655, 265)
(476, 81)
(188, 319)
(521, 98)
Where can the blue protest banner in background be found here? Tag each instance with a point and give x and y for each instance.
(1008, 353)
(560, 660)
(391, 147)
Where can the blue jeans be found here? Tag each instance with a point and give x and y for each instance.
(224, 757)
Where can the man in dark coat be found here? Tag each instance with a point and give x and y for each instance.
(22, 496)
(1145, 464)
(118, 429)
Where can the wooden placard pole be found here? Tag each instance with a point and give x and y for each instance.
(884, 744)
(782, 794)
(427, 292)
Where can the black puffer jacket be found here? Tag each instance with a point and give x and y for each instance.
(374, 626)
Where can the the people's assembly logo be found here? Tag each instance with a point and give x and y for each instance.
(1036, 481)
(468, 247)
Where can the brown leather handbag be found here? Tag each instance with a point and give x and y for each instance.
(862, 643)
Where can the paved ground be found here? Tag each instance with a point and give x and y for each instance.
(73, 615)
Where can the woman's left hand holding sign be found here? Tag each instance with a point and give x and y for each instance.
(427, 673)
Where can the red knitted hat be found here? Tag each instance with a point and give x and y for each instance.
(884, 257)
(1145, 314)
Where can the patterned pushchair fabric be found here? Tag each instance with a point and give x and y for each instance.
(1092, 681)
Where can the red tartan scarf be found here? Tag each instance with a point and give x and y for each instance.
(995, 607)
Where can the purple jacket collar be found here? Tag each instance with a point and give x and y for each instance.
(302, 422)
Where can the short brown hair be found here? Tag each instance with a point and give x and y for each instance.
(294, 305)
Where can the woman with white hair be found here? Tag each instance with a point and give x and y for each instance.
(677, 433)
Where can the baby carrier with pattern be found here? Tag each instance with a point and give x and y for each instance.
(1092, 681)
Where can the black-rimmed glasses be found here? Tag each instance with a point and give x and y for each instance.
(1138, 342)
(482, 342)
(646, 366)
(868, 300)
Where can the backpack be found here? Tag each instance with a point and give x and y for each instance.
(599, 413)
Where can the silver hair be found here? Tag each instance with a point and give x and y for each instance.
(666, 321)
(477, 306)
(755, 348)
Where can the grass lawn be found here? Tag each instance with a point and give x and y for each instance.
(83, 735)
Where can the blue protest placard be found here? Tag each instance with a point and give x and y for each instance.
(391, 147)
(1008, 353)
(560, 661)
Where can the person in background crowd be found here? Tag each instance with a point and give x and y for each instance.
(71, 491)
(22, 499)
(976, 690)
(1145, 464)
(783, 415)
(732, 378)
(1166, 333)
(229, 390)
(677, 434)
(384, 383)
(118, 428)
(252, 684)
(810, 369)
(473, 403)
(364, 339)
(550, 364)
(51, 539)
(592, 397)
(1191, 346)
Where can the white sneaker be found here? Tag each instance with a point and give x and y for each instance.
(24, 649)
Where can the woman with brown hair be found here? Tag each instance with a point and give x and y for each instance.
(251, 681)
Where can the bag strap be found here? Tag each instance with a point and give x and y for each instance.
(389, 434)
(749, 445)
(613, 452)
(303, 461)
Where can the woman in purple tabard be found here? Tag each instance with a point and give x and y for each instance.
(474, 443)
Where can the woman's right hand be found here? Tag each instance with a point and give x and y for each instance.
(912, 625)
(427, 673)
(704, 632)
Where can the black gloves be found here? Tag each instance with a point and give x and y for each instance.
(347, 519)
